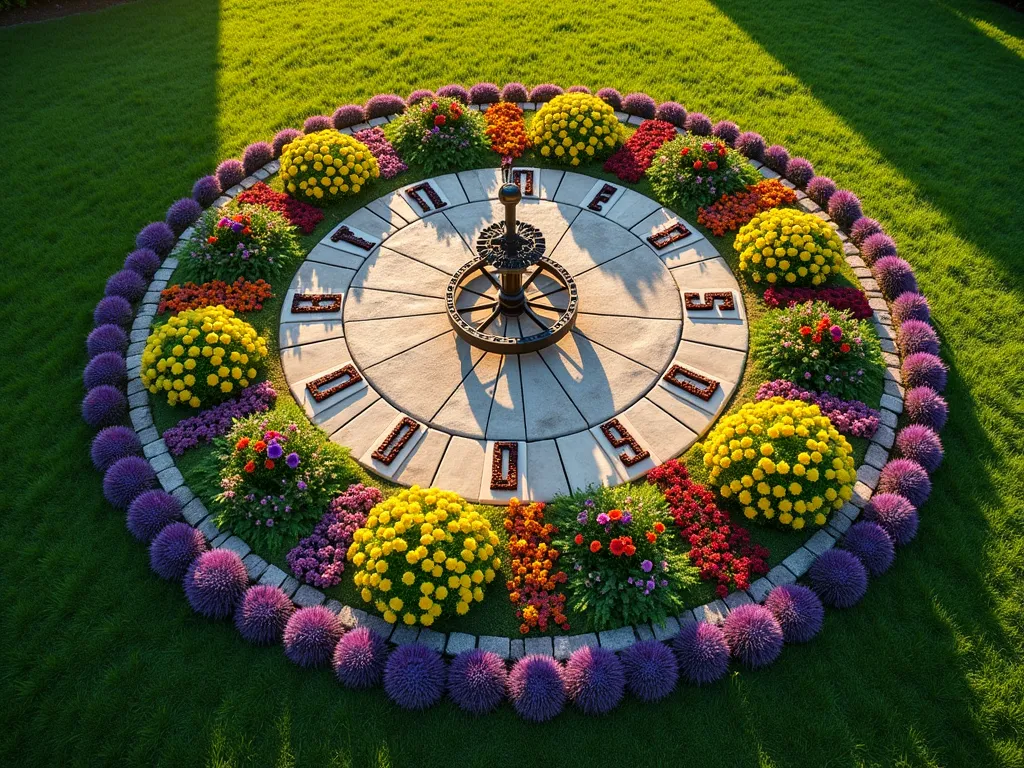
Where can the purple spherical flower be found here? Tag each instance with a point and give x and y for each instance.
(126, 479)
(419, 95)
(414, 676)
(145, 261)
(183, 214)
(869, 542)
(317, 123)
(839, 578)
(113, 310)
(799, 170)
(157, 236)
(922, 444)
(698, 124)
(776, 157)
(484, 93)
(536, 688)
(106, 338)
(113, 443)
(104, 406)
(127, 283)
(215, 582)
(754, 636)
(286, 136)
(263, 613)
(639, 104)
(877, 246)
(917, 336)
(894, 275)
(594, 680)
(579, 89)
(311, 635)
(256, 155)
(863, 228)
(895, 514)
(454, 91)
(911, 306)
(346, 116)
(359, 658)
(727, 131)
(173, 549)
(384, 105)
(703, 652)
(106, 368)
(651, 669)
(907, 478)
(798, 610)
(477, 681)
(923, 405)
(514, 92)
(750, 144)
(545, 92)
(206, 190)
(230, 172)
(611, 97)
(672, 112)
(923, 369)
(150, 512)
(820, 189)
(844, 208)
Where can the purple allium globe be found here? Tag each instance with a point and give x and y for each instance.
(579, 89)
(844, 208)
(384, 105)
(536, 688)
(698, 124)
(514, 92)
(839, 578)
(215, 582)
(230, 172)
(863, 228)
(798, 610)
(907, 478)
(754, 635)
(145, 261)
(174, 549)
(206, 190)
(346, 116)
(877, 246)
(911, 306)
(800, 171)
(545, 92)
(923, 369)
(750, 144)
(127, 283)
(869, 542)
(651, 668)
(183, 214)
(263, 613)
(317, 123)
(776, 157)
(454, 91)
(917, 336)
(922, 444)
(923, 405)
(311, 635)
(594, 680)
(484, 93)
(702, 651)
(894, 275)
(126, 479)
(419, 95)
(156, 236)
(106, 338)
(477, 681)
(256, 155)
(104, 406)
(113, 310)
(895, 514)
(727, 131)
(285, 137)
(359, 658)
(105, 368)
(113, 443)
(820, 189)
(414, 675)
(639, 104)
(611, 97)
(150, 512)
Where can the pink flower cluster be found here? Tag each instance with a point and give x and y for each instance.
(217, 421)
(387, 158)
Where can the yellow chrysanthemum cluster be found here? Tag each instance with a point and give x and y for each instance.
(783, 245)
(781, 460)
(575, 127)
(325, 165)
(423, 553)
(202, 355)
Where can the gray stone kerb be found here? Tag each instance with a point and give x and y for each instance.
(792, 568)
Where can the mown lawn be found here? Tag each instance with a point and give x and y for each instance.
(107, 118)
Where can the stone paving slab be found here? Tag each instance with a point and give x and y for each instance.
(362, 432)
(431, 639)
(631, 208)
(617, 639)
(462, 466)
(459, 642)
(666, 631)
(550, 181)
(433, 241)
(566, 645)
(659, 220)
(308, 360)
(498, 645)
(297, 334)
(586, 463)
(387, 270)
(482, 184)
(551, 412)
(488, 495)
(664, 435)
(601, 207)
(759, 589)
(424, 459)
(799, 561)
(636, 284)
(713, 613)
(326, 254)
(517, 649)
(544, 470)
(650, 342)
(634, 470)
(467, 409)
(374, 341)
(390, 470)
(306, 596)
(572, 188)
(368, 304)
(338, 415)
(593, 240)
(539, 645)
(273, 576)
(366, 221)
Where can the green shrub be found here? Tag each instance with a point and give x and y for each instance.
(693, 171)
(438, 135)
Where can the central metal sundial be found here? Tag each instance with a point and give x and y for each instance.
(511, 258)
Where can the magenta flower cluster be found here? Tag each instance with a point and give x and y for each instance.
(387, 158)
(851, 417)
(217, 421)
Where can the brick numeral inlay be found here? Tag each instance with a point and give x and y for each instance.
(526, 186)
(430, 192)
(604, 194)
(610, 428)
(393, 444)
(345, 234)
(671, 234)
(502, 481)
(694, 304)
(350, 374)
(318, 302)
(710, 386)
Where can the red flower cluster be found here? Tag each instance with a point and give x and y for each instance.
(844, 297)
(299, 214)
(721, 551)
(535, 574)
(240, 296)
(440, 118)
(633, 159)
(731, 212)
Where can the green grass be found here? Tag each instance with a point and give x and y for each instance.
(108, 117)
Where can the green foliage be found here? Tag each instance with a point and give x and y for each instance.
(249, 241)
(692, 171)
(439, 135)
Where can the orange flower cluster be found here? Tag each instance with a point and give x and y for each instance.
(240, 296)
(535, 573)
(733, 211)
(506, 129)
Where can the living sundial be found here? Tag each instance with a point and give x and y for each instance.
(600, 341)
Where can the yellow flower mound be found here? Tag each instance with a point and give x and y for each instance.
(423, 554)
(782, 461)
(326, 165)
(201, 356)
(576, 127)
(791, 247)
